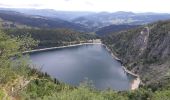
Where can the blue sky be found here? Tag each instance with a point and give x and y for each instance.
(92, 5)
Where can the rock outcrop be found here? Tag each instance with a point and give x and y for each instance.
(144, 50)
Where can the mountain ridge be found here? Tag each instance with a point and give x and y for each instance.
(37, 21)
(95, 20)
(114, 28)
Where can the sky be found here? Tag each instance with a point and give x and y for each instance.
(161, 6)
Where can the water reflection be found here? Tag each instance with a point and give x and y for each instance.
(73, 64)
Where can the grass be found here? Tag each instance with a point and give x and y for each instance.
(1, 94)
(44, 89)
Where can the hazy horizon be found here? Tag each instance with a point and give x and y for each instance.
(156, 6)
(80, 11)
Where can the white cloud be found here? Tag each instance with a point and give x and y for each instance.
(92, 5)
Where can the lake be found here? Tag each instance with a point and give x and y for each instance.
(73, 65)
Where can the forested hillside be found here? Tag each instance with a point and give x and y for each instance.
(102, 19)
(12, 19)
(145, 51)
(19, 82)
(84, 49)
(52, 37)
(114, 28)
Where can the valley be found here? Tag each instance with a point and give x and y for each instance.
(110, 49)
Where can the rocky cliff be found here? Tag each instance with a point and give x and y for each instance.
(144, 50)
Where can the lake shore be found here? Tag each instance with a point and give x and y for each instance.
(135, 83)
(44, 49)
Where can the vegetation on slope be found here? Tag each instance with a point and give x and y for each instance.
(13, 19)
(18, 81)
(10, 70)
(52, 37)
(144, 50)
(114, 28)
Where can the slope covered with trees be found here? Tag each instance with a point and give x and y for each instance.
(52, 37)
(114, 28)
(19, 82)
(12, 19)
(144, 50)
(102, 19)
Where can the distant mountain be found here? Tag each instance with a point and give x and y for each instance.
(65, 15)
(114, 28)
(86, 21)
(15, 19)
(104, 19)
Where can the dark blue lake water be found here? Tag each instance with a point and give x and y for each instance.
(73, 64)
